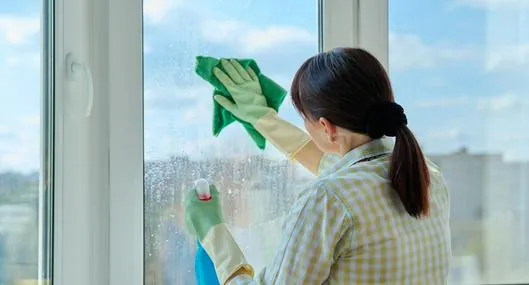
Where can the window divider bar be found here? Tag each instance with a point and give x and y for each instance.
(357, 23)
(126, 181)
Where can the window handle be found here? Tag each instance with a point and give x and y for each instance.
(74, 67)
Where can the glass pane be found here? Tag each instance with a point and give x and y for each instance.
(179, 146)
(460, 68)
(24, 157)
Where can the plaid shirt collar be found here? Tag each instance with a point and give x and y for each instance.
(364, 152)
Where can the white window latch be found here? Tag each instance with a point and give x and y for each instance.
(74, 67)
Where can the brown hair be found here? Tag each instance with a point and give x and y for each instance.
(350, 88)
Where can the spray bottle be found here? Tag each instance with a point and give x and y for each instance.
(202, 189)
(204, 269)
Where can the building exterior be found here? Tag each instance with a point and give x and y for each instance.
(489, 216)
(3, 261)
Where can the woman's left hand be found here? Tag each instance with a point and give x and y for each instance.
(202, 216)
(205, 221)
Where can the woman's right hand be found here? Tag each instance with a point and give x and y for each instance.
(243, 85)
(251, 106)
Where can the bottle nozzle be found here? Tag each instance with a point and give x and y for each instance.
(202, 189)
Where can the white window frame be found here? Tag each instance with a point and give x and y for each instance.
(126, 129)
(81, 148)
(357, 23)
(98, 215)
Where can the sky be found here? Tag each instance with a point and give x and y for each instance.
(458, 67)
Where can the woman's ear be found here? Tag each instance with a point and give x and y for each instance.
(329, 128)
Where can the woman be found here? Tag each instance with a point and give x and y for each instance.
(377, 213)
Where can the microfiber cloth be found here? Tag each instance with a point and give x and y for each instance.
(273, 93)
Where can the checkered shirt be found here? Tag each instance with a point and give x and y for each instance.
(349, 227)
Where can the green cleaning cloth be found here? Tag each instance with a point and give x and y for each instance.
(273, 93)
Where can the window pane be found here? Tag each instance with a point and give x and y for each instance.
(179, 145)
(460, 69)
(24, 219)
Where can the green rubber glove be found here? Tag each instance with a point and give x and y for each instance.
(250, 103)
(202, 216)
(250, 106)
(204, 220)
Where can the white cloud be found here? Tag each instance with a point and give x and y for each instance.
(156, 10)
(17, 30)
(408, 51)
(445, 102)
(20, 145)
(508, 57)
(506, 45)
(252, 40)
(490, 4)
(451, 134)
(179, 121)
(30, 121)
(436, 81)
(31, 59)
(177, 98)
(262, 40)
(512, 137)
(505, 103)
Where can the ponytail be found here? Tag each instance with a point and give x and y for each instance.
(409, 173)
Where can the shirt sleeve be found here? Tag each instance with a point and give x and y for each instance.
(327, 161)
(311, 242)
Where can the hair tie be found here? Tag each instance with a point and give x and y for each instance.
(384, 118)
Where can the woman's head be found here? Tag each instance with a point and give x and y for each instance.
(345, 98)
(335, 91)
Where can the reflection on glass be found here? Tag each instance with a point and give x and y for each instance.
(23, 254)
(256, 187)
(460, 68)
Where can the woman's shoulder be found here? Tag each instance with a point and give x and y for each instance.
(319, 202)
(364, 188)
(319, 191)
(340, 191)
(356, 178)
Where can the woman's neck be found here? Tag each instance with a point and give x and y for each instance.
(350, 141)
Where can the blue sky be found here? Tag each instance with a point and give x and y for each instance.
(20, 85)
(457, 66)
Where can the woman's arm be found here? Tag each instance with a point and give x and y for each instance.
(250, 105)
(309, 157)
(241, 277)
(293, 142)
(314, 235)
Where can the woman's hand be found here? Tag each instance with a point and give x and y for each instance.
(250, 106)
(202, 216)
(243, 85)
(205, 221)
